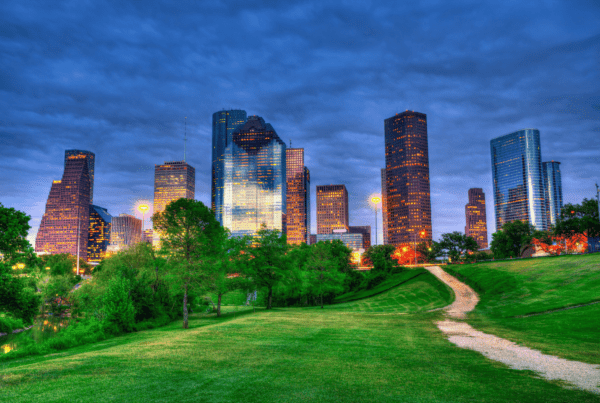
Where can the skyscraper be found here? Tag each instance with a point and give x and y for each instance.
(126, 230)
(384, 214)
(223, 125)
(553, 191)
(476, 217)
(407, 191)
(332, 208)
(90, 158)
(518, 179)
(365, 230)
(99, 233)
(65, 224)
(298, 197)
(254, 179)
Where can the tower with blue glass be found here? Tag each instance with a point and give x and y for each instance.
(518, 179)
(553, 190)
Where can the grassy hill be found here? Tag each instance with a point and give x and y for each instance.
(524, 301)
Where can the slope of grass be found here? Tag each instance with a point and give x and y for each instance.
(290, 355)
(512, 291)
(391, 282)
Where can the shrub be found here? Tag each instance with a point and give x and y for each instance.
(8, 324)
(119, 313)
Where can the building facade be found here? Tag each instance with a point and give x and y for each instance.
(553, 191)
(476, 226)
(384, 214)
(518, 179)
(90, 159)
(297, 197)
(223, 124)
(365, 230)
(65, 223)
(332, 208)
(126, 230)
(254, 179)
(407, 189)
(99, 233)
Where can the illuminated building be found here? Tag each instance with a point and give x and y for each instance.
(254, 179)
(332, 208)
(147, 235)
(518, 179)
(298, 197)
(476, 217)
(126, 230)
(90, 158)
(365, 230)
(99, 233)
(67, 212)
(553, 191)
(312, 239)
(384, 215)
(223, 125)
(354, 241)
(407, 193)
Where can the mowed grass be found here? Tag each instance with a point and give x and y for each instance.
(522, 301)
(283, 355)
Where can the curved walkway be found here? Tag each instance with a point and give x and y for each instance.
(582, 375)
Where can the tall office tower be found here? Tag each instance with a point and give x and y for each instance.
(407, 190)
(553, 191)
(365, 230)
(476, 217)
(384, 215)
(223, 125)
(65, 224)
(298, 197)
(332, 208)
(254, 179)
(99, 233)
(90, 158)
(126, 230)
(518, 179)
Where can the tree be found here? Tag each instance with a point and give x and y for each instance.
(579, 219)
(16, 298)
(512, 239)
(456, 244)
(61, 264)
(14, 225)
(323, 267)
(189, 230)
(430, 250)
(380, 256)
(119, 313)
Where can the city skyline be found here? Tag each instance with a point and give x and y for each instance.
(326, 78)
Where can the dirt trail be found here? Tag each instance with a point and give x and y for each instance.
(581, 375)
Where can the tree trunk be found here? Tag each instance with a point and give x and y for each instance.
(219, 295)
(270, 298)
(185, 310)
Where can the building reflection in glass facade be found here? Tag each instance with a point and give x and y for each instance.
(553, 191)
(99, 233)
(332, 208)
(125, 230)
(407, 191)
(475, 213)
(223, 125)
(90, 159)
(518, 179)
(254, 179)
(298, 197)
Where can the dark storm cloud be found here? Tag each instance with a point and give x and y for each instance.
(119, 78)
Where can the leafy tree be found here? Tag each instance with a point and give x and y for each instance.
(430, 250)
(579, 219)
(16, 298)
(14, 225)
(324, 270)
(119, 313)
(61, 264)
(512, 239)
(190, 234)
(456, 243)
(380, 256)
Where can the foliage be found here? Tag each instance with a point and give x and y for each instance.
(455, 244)
(62, 264)
(407, 255)
(119, 313)
(8, 324)
(14, 225)
(16, 298)
(560, 245)
(512, 239)
(429, 250)
(380, 256)
(324, 269)
(579, 219)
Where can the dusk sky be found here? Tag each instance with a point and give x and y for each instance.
(119, 78)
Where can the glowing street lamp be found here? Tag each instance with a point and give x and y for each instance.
(375, 200)
(143, 208)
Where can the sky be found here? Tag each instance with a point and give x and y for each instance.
(123, 80)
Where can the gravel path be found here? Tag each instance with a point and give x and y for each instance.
(581, 375)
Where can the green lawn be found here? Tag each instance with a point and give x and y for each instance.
(510, 291)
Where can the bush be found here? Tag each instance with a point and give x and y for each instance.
(8, 324)
(119, 313)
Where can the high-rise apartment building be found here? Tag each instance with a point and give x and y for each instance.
(332, 208)
(223, 124)
(518, 179)
(99, 233)
(553, 191)
(407, 189)
(126, 230)
(384, 214)
(254, 179)
(90, 159)
(65, 223)
(476, 226)
(298, 197)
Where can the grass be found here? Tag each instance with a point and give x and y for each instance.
(521, 301)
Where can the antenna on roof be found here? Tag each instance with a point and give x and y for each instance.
(290, 143)
(185, 138)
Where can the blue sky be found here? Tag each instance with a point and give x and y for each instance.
(118, 79)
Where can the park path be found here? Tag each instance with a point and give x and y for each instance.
(581, 375)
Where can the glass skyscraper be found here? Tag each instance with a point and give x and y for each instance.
(518, 179)
(553, 191)
(332, 208)
(476, 219)
(254, 179)
(90, 159)
(223, 125)
(99, 233)
(298, 197)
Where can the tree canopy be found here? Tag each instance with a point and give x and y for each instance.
(512, 239)
(456, 243)
(579, 219)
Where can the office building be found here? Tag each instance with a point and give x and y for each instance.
(384, 214)
(99, 233)
(65, 223)
(126, 230)
(407, 189)
(518, 179)
(476, 226)
(90, 159)
(365, 230)
(223, 124)
(354, 241)
(298, 197)
(552, 191)
(332, 208)
(254, 179)
(147, 235)
(312, 239)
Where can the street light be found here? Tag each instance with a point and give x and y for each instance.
(143, 208)
(375, 200)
